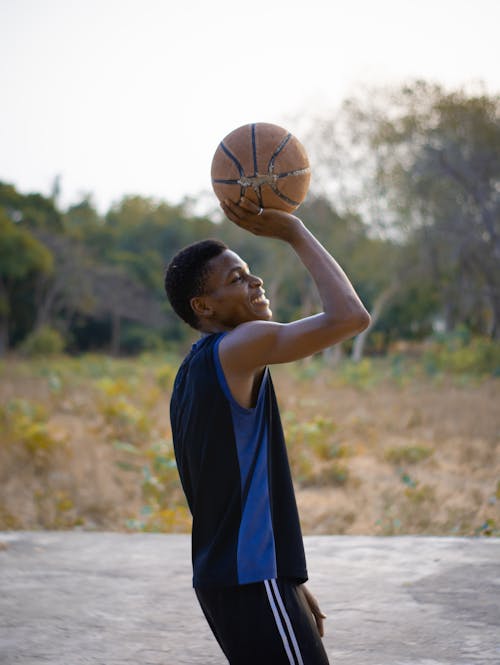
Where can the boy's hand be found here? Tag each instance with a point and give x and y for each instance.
(312, 603)
(261, 221)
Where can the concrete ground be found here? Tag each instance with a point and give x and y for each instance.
(71, 598)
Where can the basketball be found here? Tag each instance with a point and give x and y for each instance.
(263, 162)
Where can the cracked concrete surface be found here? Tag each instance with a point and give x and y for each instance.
(71, 598)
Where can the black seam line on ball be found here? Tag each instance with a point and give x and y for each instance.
(221, 181)
(231, 156)
(270, 167)
(284, 197)
(254, 150)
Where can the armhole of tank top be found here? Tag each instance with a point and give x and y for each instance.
(221, 377)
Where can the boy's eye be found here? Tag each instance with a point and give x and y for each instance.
(237, 278)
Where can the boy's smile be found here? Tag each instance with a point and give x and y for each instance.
(232, 295)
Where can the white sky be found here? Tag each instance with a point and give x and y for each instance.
(133, 96)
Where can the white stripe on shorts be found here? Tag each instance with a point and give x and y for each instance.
(288, 623)
(279, 623)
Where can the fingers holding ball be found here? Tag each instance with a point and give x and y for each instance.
(248, 216)
(250, 206)
(243, 210)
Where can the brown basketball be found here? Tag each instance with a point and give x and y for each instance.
(263, 162)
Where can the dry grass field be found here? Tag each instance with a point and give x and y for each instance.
(382, 447)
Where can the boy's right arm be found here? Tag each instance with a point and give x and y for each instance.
(255, 344)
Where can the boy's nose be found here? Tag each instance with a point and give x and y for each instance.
(255, 280)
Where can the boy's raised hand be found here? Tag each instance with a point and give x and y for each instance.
(268, 222)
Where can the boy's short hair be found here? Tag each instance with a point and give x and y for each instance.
(186, 274)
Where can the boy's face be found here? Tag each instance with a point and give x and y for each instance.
(232, 295)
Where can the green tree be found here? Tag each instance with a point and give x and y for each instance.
(22, 258)
(30, 210)
(422, 165)
(441, 172)
(81, 218)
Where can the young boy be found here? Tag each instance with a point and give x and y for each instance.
(247, 550)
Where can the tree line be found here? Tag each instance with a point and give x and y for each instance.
(406, 196)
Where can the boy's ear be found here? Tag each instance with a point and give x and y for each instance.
(200, 307)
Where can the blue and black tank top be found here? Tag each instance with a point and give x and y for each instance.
(234, 470)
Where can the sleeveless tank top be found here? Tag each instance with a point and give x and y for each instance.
(234, 470)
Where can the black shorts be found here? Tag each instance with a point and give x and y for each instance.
(266, 623)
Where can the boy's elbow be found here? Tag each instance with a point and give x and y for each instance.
(363, 320)
(358, 321)
(351, 324)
